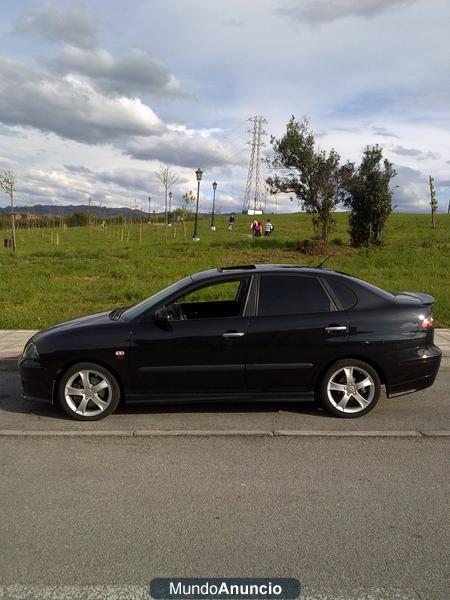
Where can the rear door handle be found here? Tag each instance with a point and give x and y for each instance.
(233, 334)
(335, 328)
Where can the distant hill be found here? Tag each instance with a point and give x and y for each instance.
(55, 210)
(49, 210)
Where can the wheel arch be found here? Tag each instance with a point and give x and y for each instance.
(352, 356)
(94, 361)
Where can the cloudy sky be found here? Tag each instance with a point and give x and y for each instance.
(96, 95)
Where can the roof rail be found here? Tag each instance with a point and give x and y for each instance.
(236, 268)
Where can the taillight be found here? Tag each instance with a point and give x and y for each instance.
(427, 322)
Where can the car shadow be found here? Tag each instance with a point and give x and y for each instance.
(299, 407)
(12, 404)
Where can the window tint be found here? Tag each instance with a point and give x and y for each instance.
(212, 301)
(145, 305)
(219, 292)
(346, 296)
(288, 295)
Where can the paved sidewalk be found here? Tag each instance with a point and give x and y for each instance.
(12, 342)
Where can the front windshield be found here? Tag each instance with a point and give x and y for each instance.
(138, 309)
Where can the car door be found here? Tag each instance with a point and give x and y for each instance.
(294, 334)
(200, 349)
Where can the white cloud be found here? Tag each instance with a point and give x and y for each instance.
(70, 108)
(136, 72)
(412, 195)
(325, 11)
(418, 154)
(74, 24)
(182, 149)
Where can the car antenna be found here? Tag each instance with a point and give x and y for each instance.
(322, 262)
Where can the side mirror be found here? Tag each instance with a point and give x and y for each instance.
(161, 316)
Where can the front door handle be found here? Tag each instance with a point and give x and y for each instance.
(335, 328)
(233, 334)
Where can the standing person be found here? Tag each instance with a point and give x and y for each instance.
(254, 227)
(230, 222)
(268, 227)
(259, 229)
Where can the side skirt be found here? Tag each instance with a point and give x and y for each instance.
(217, 397)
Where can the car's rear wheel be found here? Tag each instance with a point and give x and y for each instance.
(350, 388)
(88, 392)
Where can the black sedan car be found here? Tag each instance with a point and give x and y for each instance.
(250, 332)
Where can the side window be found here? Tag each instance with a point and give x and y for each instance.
(213, 301)
(220, 292)
(346, 296)
(290, 295)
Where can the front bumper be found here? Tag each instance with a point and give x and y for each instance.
(37, 383)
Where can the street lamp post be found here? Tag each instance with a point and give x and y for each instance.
(198, 174)
(214, 205)
(149, 204)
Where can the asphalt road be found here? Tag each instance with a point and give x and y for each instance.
(423, 411)
(362, 519)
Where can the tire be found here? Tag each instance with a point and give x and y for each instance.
(341, 392)
(90, 404)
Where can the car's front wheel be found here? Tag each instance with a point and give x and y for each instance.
(88, 392)
(350, 388)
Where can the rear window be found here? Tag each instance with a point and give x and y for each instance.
(290, 295)
(345, 295)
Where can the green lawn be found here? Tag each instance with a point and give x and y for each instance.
(44, 283)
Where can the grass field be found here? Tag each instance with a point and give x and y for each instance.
(45, 283)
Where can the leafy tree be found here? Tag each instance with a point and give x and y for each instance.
(311, 174)
(187, 199)
(78, 219)
(366, 190)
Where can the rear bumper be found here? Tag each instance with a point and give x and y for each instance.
(416, 373)
(37, 383)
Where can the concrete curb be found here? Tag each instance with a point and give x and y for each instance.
(201, 433)
(305, 433)
(220, 433)
(63, 433)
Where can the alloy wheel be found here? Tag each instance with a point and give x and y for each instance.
(88, 393)
(350, 389)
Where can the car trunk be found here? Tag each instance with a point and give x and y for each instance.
(424, 313)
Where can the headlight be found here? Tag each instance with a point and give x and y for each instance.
(30, 351)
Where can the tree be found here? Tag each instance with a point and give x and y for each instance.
(78, 219)
(8, 185)
(168, 178)
(433, 202)
(187, 199)
(312, 175)
(366, 190)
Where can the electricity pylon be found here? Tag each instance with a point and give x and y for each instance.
(253, 196)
